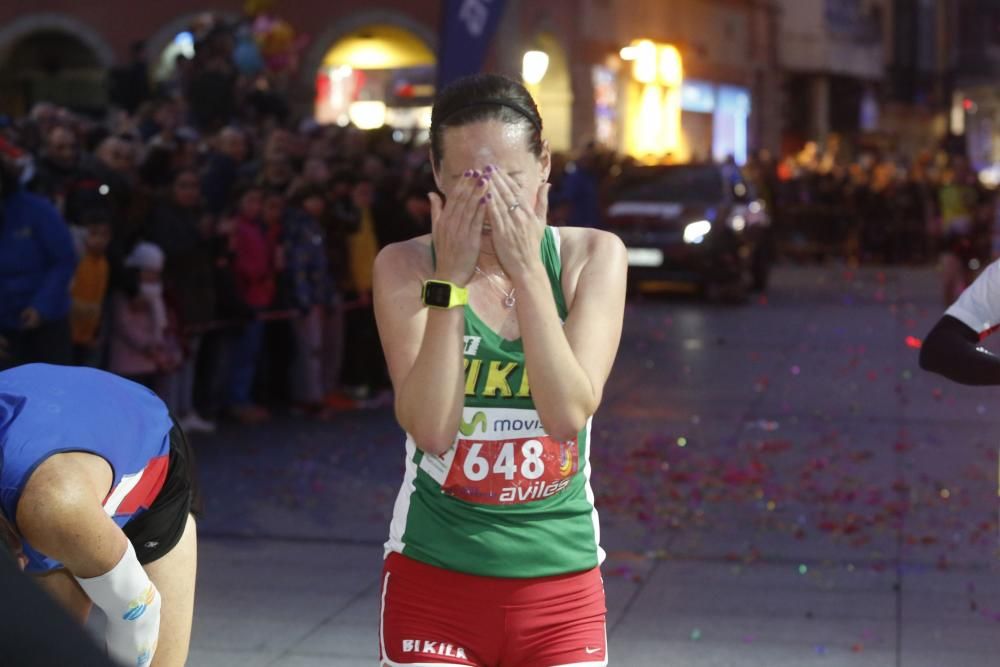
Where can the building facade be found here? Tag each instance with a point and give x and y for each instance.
(724, 68)
(713, 91)
(975, 93)
(833, 58)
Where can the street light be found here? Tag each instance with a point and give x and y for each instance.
(533, 66)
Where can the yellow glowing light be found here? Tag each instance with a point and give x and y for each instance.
(367, 115)
(379, 47)
(671, 120)
(671, 70)
(533, 66)
(649, 124)
(653, 121)
(644, 66)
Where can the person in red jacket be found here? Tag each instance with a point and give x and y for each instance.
(255, 272)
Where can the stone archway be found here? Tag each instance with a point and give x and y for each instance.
(28, 24)
(321, 44)
(554, 94)
(158, 42)
(52, 57)
(374, 68)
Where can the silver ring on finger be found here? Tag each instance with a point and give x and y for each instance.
(513, 207)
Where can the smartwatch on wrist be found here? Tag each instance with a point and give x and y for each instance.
(442, 294)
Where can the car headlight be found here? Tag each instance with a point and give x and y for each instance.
(696, 231)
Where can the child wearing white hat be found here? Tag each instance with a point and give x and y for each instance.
(141, 346)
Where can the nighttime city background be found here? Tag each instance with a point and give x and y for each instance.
(779, 483)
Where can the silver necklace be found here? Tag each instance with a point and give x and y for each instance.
(509, 299)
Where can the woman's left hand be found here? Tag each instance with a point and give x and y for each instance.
(517, 225)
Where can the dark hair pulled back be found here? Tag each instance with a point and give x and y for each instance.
(482, 97)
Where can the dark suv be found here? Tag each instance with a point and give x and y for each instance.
(692, 225)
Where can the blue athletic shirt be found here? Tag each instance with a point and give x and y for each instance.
(46, 409)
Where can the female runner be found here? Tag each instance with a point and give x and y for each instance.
(499, 333)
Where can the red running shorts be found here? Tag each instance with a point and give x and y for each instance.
(433, 616)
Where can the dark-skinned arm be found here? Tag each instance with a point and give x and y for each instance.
(954, 350)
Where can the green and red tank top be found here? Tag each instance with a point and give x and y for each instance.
(507, 500)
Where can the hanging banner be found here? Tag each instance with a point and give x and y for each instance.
(467, 26)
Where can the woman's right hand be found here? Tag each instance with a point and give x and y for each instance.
(456, 228)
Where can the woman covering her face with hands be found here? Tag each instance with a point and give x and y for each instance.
(499, 333)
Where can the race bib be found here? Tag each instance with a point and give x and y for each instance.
(511, 472)
(525, 466)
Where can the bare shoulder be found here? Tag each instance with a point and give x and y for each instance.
(406, 259)
(591, 252)
(579, 245)
(63, 483)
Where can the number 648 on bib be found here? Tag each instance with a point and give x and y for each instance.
(511, 471)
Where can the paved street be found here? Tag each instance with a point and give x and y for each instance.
(779, 486)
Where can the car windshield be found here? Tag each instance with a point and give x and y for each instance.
(682, 185)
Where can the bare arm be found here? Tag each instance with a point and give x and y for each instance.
(60, 512)
(569, 364)
(953, 349)
(60, 515)
(423, 349)
(423, 346)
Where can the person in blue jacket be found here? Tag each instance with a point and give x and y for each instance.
(37, 261)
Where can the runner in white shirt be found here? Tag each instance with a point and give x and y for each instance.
(953, 347)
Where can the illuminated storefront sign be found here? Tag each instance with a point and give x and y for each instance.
(697, 96)
(378, 75)
(652, 123)
(729, 134)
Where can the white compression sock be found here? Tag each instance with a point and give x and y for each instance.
(132, 605)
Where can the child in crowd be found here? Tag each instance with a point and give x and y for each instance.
(180, 228)
(89, 286)
(340, 218)
(142, 348)
(311, 289)
(253, 265)
(364, 374)
(278, 342)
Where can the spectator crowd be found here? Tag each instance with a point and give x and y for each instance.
(204, 244)
(202, 241)
(876, 206)
(873, 206)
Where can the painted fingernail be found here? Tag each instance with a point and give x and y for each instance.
(482, 181)
(488, 169)
(468, 172)
(489, 195)
(482, 200)
(475, 173)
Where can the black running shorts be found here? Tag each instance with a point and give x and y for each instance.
(158, 530)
